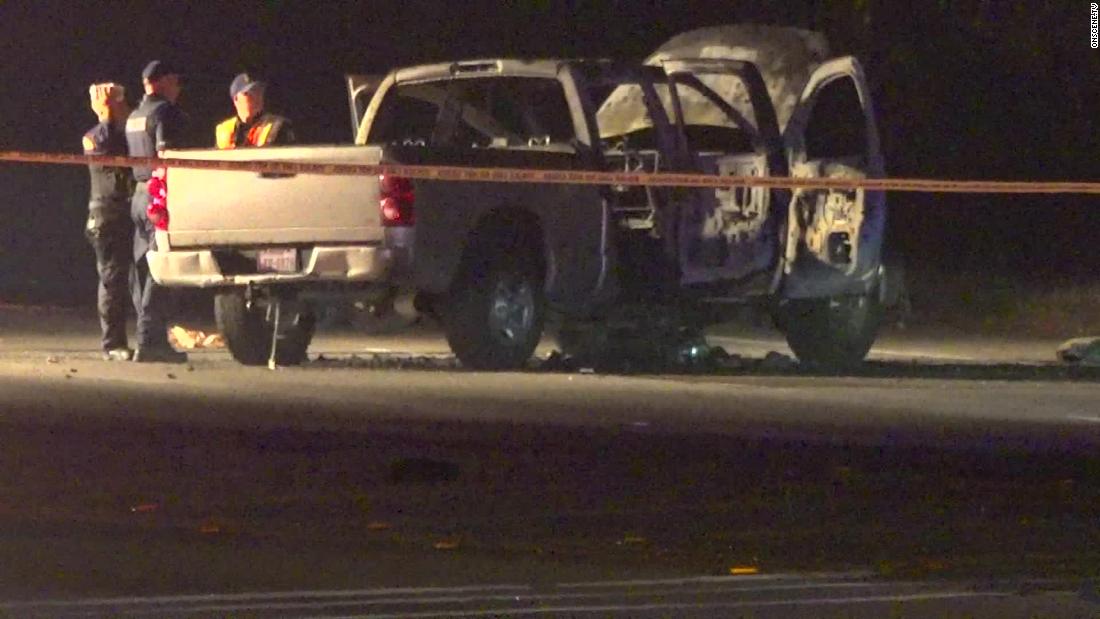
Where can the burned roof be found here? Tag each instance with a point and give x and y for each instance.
(784, 56)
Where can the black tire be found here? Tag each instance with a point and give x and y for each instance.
(495, 312)
(248, 333)
(832, 333)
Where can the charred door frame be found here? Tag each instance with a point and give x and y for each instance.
(766, 141)
(807, 276)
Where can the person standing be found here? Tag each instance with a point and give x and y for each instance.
(252, 125)
(109, 228)
(155, 126)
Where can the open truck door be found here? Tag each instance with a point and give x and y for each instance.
(835, 236)
(727, 127)
(360, 90)
(831, 307)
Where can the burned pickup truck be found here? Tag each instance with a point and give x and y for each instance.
(615, 263)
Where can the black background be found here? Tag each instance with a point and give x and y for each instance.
(970, 89)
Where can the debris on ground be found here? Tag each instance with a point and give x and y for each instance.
(447, 544)
(1080, 351)
(52, 359)
(191, 339)
(558, 362)
(389, 361)
(695, 357)
(695, 353)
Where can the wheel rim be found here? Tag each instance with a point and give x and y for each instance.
(512, 311)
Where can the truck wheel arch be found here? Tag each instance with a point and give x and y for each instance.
(509, 222)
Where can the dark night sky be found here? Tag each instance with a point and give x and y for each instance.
(1004, 93)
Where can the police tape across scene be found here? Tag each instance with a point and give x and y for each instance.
(569, 177)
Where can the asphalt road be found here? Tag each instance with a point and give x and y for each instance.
(952, 477)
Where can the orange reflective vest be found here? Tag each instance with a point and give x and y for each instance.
(262, 133)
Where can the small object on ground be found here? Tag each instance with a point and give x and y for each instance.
(1080, 351)
(934, 565)
(210, 527)
(558, 362)
(52, 359)
(144, 508)
(118, 354)
(743, 570)
(379, 526)
(632, 540)
(447, 544)
(171, 376)
(588, 370)
(72, 370)
(693, 353)
(777, 361)
(190, 368)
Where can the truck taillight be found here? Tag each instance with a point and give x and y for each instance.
(396, 198)
(157, 211)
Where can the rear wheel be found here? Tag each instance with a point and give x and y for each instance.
(248, 330)
(833, 333)
(495, 312)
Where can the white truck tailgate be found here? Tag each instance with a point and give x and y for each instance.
(208, 208)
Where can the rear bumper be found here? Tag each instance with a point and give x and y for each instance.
(200, 268)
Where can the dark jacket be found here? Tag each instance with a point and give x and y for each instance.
(110, 186)
(157, 124)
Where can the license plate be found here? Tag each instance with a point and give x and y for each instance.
(277, 260)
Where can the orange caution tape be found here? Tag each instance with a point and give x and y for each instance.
(568, 177)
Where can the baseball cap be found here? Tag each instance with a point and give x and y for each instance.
(157, 69)
(243, 83)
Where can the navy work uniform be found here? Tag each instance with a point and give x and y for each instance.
(111, 233)
(154, 126)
